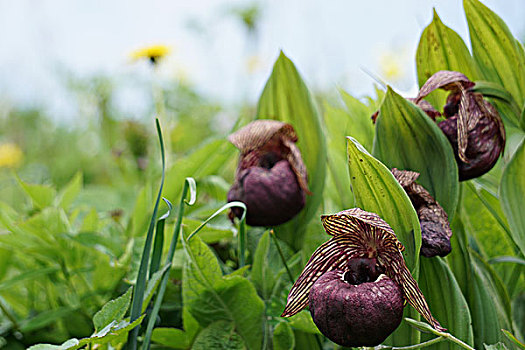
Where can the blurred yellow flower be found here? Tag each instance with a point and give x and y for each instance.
(10, 155)
(253, 63)
(390, 66)
(154, 53)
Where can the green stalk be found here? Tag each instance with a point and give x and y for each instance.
(140, 284)
(290, 276)
(242, 243)
(188, 184)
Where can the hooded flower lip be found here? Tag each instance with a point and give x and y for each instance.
(358, 234)
(473, 126)
(271, 177)
(435, 228)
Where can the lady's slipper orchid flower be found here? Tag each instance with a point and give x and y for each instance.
(435, 229)
(271, 177)
(473, 126)
(356, 282)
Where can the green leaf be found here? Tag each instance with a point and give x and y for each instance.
(286, 98)
(499, 55)
(512, 192)
(445, 300)
(377, 191)
(68, 194)
(498, 346)
(232, 299)
(513, 339)
(171, 337)
(303, 321)
(407, 139)
(41, 195)
(359, 114)
(210, 233)
(113, 310)
(283, 337)
(267, 268)
(486, 307)
(441, 48)
(45, 318)
(219, 335)
(66, 345)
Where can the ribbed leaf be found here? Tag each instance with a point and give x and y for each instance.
(499, 55)
(512, 193)
(446, 301)
(441, 48)
(377, 191)
(407, 139)
(286, 98)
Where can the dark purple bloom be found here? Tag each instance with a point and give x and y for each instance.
(473, 126)
(271, 178)
(356, 282)
(435, 228)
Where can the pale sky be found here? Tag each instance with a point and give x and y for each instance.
(331, 42)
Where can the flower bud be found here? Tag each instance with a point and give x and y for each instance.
(271, 177)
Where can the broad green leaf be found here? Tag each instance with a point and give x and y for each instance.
(286, 98)
(407, 139)
(283, 337)
(512, 194)
(232, 299)
(445, 300)
(152, 286)
(171, 337)
(499, 55)
(113, 310)
(41, 195)
(267, 268)
(377, 191)
(201, 271)
(486, 307)
(210, 233)
(513, 339)
(360, 116)
(338, 123)
(68, 194)
(219, 335)
(441, 48)
(303, 321)
(208, 159)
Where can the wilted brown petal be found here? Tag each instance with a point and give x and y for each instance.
(445, 79)
(357, 233)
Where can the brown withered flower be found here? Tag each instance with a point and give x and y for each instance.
(271, 178)
(435, 228)
(356, 282)
(472, 125)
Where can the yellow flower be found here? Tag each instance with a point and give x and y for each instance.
(154, 53)
(10, 155)
(391, 66)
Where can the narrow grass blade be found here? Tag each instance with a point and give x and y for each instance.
(140, 285)
(189, 184)
(159, 240)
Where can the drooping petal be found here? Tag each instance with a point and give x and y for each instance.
(259, 132)
(296, 161)
(331, 255)
(397, 270)
(444, 79)
(435, 228)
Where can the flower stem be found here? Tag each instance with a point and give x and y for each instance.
(276, 241)
(242, 243)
